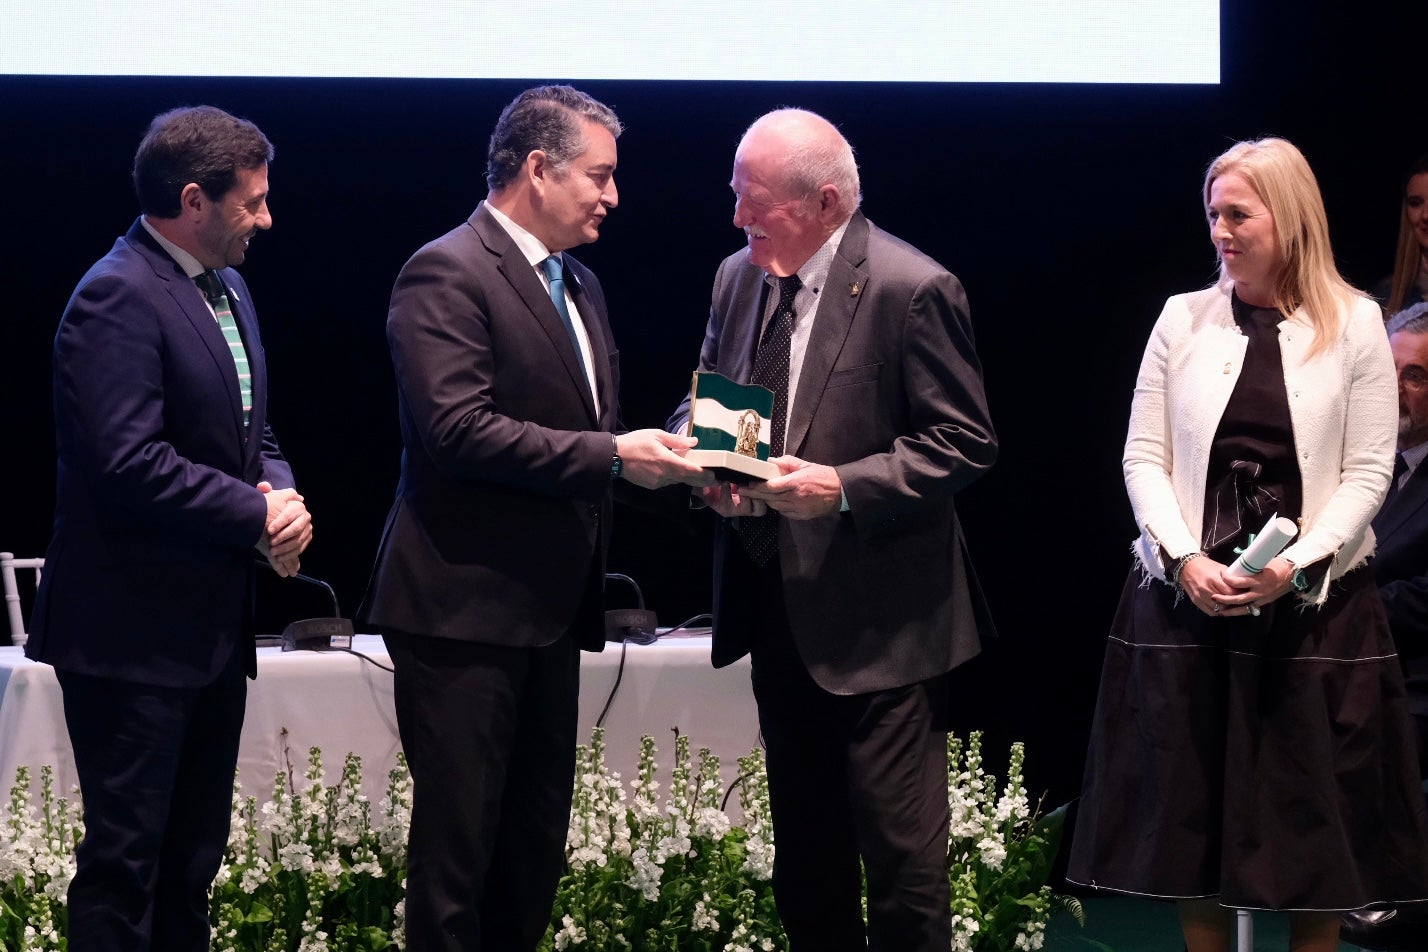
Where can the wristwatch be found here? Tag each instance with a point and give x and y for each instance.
(617, 465)
(1299, 580)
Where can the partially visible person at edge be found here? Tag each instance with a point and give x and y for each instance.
(1408, 284)
(852, 590)
(169, 478)
(1400, 567)
(490, 575)
(1251, 748)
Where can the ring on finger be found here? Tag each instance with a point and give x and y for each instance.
(1253, 609)
(1217, 608)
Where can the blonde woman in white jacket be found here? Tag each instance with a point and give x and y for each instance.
(1251, 748)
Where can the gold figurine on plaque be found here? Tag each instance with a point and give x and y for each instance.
(748, 442)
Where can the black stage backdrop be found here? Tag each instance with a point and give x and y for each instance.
(1069, 212)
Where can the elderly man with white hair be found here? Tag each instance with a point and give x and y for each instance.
(846, 576)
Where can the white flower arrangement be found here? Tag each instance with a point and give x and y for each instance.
(677, 874)
(312, 870)
(1000, 853)
(36, 864)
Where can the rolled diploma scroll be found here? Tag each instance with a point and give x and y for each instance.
(1266, 545)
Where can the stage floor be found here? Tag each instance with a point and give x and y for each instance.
(1115, 924)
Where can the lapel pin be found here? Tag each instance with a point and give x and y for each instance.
(854, 288)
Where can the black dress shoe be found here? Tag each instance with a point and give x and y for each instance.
(1397, 929)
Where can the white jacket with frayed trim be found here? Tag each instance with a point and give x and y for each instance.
(1343, 406)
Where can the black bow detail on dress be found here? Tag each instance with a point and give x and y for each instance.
(1237, 496)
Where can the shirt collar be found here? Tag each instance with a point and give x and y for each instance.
(188, 262)
(530, 246)
(1414, 455)
(814, 273)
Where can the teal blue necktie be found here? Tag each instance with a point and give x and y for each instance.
(555, 272)
(212, 286)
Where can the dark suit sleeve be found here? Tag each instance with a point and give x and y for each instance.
(276, 469)
(110, 396)
(445, 353)
(949, 440)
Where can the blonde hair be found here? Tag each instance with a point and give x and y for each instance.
(1308, 277)
(1409, 256)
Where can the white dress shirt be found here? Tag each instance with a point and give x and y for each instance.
(535, 252)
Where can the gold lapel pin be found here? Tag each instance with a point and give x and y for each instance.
(854, 288)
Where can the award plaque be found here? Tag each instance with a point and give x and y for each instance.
(731, 422)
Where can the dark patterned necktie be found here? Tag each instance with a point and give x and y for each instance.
(1400, 466)
(760, 535)
(212, 287)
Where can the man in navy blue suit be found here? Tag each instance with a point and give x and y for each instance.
(169, 483)
(1400, 566)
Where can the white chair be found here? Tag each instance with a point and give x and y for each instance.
(8, 565)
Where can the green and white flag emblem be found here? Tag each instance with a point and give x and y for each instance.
(731, 417)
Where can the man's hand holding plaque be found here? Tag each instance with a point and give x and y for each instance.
(801, 490)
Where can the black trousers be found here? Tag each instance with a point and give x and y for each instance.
(489, 733)
(857, 783)
(155, 771)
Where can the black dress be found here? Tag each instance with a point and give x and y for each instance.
(1267, 761)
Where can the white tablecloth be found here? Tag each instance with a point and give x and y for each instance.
(342, 704)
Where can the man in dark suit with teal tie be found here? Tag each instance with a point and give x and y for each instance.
(169, 479)
(846, 577)
(490, 574)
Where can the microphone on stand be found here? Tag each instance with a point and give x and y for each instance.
(638, 624)
(317, 634)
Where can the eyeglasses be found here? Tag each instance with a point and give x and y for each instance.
(1413, 378)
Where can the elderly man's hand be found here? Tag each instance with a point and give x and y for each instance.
(729, 500)
(802, 490)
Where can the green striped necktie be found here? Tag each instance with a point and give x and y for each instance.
(212, 286)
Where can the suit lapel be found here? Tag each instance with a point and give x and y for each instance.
(752, 299)
(188, 299)
(837, 305)
(599, 353)
(247, 319)
(517, 271)
(1402, 509)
